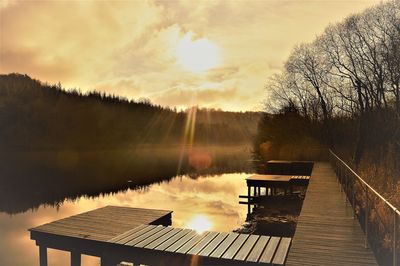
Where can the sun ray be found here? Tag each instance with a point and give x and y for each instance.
(188, 135)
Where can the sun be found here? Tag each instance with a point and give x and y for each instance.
(196, 55)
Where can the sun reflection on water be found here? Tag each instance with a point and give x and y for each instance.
(199, 223)
(203, 203)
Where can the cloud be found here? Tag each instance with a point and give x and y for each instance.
(182, 98)
(122, 86)
(27, 61)
(87, 36)
(222, 74)
(128, 47)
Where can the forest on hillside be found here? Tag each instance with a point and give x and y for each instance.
(342, 91)
(38, 116)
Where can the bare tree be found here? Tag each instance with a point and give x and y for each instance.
(304, 64)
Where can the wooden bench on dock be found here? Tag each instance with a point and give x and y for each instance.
(276, 180)
(142, 236)
(271, 183)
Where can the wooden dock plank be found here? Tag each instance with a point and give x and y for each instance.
(144, 236)
(270, 249)
(258, 249)
(246, 248)
(203, 243)
(281, 252)
(326, 233)
(224, 245)
(213, 244)
(236, 245)
(164, 238)
(153, 237)
(177, 241)
(135, 235)
(127, 233)
(192, 242)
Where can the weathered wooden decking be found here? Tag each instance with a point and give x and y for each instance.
(87, 233)
(326, 233)
(143, 236)
(184, 246)
(104, 223)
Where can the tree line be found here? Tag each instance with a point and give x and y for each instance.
(345, 85)
(36, 115)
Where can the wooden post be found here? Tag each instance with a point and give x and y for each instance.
(248, 199)
(42, 256)
(75, 258)
(366, 217)
(354, 200)
(394, 239)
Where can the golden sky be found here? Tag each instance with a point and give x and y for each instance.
(179, 53)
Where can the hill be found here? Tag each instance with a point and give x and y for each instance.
(36, 115)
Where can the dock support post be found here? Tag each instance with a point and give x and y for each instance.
(43, 256)
(366, 217)
(394, 239)
(353, 200)
(75, 258)
(248, 204)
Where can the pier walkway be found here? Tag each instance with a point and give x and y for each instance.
(143, 236)
(326, 232)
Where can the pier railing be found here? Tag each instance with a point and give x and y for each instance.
(377, 216)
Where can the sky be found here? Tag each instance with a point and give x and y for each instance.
(214, 54)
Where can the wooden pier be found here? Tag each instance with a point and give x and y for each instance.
(142, 236)
(86, 233)
(326, 232)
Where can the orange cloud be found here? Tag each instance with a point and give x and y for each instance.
(128, 47)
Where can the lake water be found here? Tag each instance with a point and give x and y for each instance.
(204, 203)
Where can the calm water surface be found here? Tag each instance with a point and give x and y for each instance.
(204, 203)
